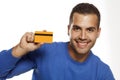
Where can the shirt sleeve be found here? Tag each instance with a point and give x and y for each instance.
(11, 66)
(109, 74)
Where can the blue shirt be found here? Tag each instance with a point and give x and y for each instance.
(53, 62)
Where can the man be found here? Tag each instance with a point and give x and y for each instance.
(71, 60)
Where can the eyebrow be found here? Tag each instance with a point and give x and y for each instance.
(91, 28)
(87, 27)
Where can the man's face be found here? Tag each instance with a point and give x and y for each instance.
(83, 32)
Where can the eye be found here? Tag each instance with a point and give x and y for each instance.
(91, 29)
(76, 28)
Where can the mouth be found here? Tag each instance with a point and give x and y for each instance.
(82, 44)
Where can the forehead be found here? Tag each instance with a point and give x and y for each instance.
(85, 19)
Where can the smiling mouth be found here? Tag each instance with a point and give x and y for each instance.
(82, 44)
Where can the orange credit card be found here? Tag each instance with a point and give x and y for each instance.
(42, 36)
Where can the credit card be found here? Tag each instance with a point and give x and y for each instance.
(43, 36)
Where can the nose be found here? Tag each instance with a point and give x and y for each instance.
(83, 35)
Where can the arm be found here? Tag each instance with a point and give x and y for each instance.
(7, 61)
(13, 62)
(11, 66)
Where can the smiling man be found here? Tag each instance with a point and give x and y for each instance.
(71, 60)
(83, 31)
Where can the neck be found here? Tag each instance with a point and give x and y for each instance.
(77, 56)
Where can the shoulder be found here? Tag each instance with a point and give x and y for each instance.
(97, 60)
(47, 49)
(101, 65)
(102, 68)
(53, 45)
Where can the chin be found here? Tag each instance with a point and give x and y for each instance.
(83, 52)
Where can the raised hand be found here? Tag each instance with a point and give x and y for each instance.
(26, 45)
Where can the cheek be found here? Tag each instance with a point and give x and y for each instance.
(73, 35)
(93, 37)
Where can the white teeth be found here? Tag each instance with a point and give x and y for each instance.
(83, 44)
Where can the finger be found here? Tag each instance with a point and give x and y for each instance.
(38, 44)
(44, 30)
(30, 37)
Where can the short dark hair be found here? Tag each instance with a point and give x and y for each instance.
(85, 8)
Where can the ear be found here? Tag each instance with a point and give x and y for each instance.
(99, 31)
(68, 29)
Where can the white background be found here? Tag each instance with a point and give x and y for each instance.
(20, 16)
